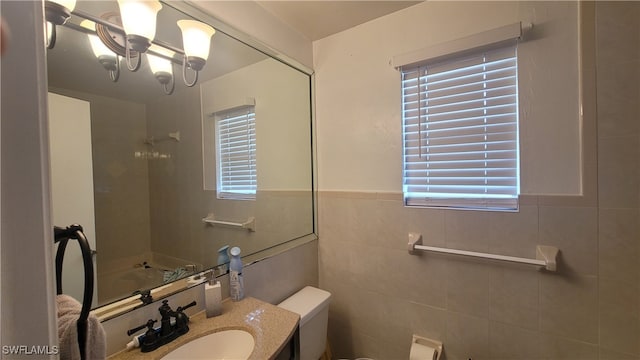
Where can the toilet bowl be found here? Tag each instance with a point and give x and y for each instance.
(312, 304)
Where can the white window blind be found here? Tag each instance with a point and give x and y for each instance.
(460, 128)
(236, 154)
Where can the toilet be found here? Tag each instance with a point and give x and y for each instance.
(312, 304)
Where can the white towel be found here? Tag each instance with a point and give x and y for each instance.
(68, 313)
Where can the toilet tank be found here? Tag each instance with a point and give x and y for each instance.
(312, 304)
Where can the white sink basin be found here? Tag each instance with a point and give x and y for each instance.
(227, 344)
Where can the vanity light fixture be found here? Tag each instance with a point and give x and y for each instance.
(57, 12)
(162, 68)
(196, 38)
(139, 23)
(131, 33)
(107, 58)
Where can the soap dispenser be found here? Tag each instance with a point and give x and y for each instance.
(213, 296)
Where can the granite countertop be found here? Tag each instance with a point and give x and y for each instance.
(271, 327)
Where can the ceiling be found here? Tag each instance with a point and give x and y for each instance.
(319, 19)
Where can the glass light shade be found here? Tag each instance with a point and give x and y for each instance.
(196, 38)
(98, 47)
(139, 17)
(69, 4)
(159, 64)
(49, 32)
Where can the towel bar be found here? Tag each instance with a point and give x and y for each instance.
(250, 224)
(546, 256)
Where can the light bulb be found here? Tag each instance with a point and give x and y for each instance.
(107, 58)
(139, 17)
(49, 32)
(161, 67)
(98, 47)
(196, 38)
(159, 64)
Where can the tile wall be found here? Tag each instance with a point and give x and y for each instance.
(589, 309)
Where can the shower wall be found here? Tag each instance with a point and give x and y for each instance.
(118, 130)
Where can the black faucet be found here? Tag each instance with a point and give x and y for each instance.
(167, 331)
(166, 314)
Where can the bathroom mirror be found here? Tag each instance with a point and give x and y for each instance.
(152, 170)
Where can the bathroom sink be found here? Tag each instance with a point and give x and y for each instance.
(227, 344)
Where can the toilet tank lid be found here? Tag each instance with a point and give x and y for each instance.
(307, 302)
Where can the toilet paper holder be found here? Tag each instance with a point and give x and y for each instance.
(433, 344)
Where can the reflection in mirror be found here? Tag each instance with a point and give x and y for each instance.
(168, 186)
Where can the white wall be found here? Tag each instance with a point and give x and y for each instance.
(358, 92)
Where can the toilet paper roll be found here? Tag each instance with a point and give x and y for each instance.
(422, 352)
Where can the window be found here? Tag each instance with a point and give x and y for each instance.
(460, 129)
(236, 153)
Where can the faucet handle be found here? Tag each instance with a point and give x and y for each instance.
(148, 325)
(182, 320)
(145, 297)
(182, 308)
(165, 309)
